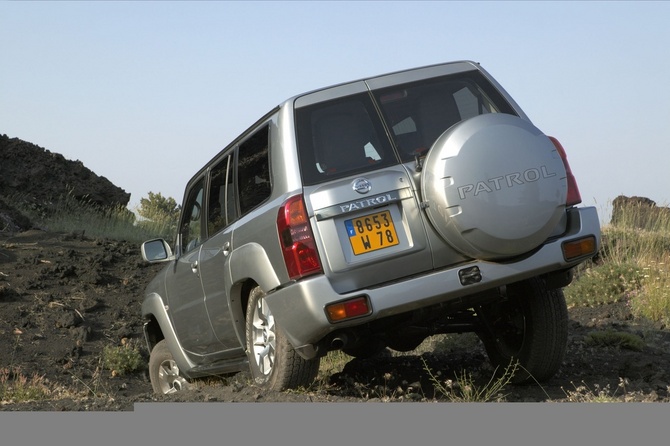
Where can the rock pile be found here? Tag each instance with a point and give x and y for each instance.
(38, 178)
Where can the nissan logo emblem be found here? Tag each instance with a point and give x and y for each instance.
(362, 185)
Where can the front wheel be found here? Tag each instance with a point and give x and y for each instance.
(163, 371)
(530, 327)
(274, 364)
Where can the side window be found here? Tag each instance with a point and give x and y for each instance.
(222, 209)
(253, 170)
(191, 228)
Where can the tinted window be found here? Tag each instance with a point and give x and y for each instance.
(340, 138)
(253, 170)
(191, 228)
(222, 208)
(419, 113)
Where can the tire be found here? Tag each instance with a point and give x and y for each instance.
(274, 364)
(531, 327)
(164, 372)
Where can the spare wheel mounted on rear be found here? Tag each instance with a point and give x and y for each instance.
(495, 186)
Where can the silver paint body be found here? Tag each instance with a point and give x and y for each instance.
(461, 206)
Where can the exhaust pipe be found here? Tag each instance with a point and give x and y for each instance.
(339, 341)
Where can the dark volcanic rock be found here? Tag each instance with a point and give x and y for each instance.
(40, 177)
(640, 212)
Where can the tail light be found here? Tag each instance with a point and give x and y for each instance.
(574, 197)
(297, 240)
(579, 248)
(358, 306)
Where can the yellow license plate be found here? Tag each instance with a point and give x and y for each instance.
(372, 232)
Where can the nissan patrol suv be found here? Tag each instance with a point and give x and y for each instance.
(370, 215)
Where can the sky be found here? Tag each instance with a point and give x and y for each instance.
(145, 93)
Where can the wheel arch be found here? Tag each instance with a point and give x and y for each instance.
(249, 266)
(239, 300)
(157, 326)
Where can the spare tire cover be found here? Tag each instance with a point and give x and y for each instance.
(494, 185)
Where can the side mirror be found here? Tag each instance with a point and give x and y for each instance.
(156, 251)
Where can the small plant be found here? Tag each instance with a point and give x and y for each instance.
(464, 390)
(123, 359)
(17, 387)
(584, 394)
(611, 338)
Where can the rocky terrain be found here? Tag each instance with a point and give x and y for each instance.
(37, 178)
(65, 297)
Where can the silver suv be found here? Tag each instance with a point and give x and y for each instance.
(371, 215)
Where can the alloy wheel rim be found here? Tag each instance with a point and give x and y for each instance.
(263, 337)
(169, 378)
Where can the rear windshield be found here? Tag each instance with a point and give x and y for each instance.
(340, 138)
(346, 136)
(419, 113)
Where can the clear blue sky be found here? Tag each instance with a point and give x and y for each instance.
(144, 93)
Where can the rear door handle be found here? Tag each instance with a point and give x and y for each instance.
(226, 248)
(194, 267)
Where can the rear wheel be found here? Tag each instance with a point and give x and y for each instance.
(531, 327)
(274, 363)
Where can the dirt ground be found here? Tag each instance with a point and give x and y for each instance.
(64, 297)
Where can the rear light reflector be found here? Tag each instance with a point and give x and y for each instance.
(582, 247)
(348, 309)
(297, 240)
(574, 197)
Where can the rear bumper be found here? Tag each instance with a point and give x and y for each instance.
(299, 309)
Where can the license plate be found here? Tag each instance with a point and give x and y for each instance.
(371, 232)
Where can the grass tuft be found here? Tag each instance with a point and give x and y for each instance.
(463, 389)
(612, 338)
(17, 387)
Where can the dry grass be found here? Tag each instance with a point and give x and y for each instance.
(15, 386)
(69, 214)
(463, 389)
(634, 266)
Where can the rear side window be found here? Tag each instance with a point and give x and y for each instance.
(253, 170)
(418, 113)
(191, 228)
(340, 138)
(222, 208)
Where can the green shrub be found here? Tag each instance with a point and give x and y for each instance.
(123, 359)
(612, 338)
